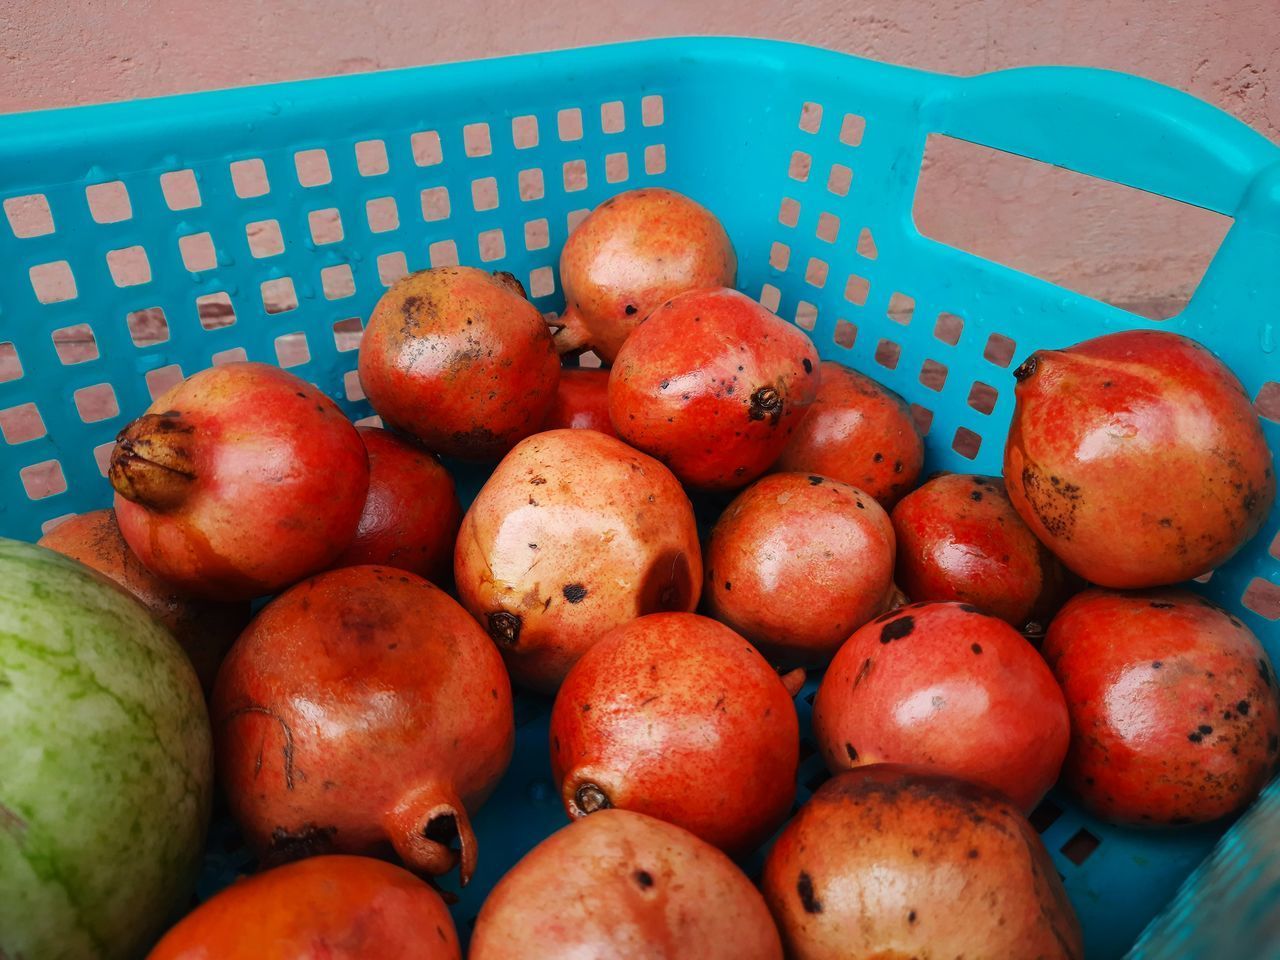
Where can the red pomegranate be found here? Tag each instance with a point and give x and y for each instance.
(627, 887)
(582, 402)
(960, 539)
(798, 562)
(1175, 715)
(712, 384)
(945, 687)
(362, 706)
(203, 628)
(573, 534)
(411, 514)
(325, 908)
(634, 251)
(1137, 458)
(886, 861)
(460, 359)
(859, 432)
(676, 716)
(239, 481)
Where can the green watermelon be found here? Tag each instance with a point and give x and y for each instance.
(106, 767)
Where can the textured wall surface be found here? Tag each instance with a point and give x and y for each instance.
(1129, 250)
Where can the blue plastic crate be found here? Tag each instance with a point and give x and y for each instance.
(289, 208)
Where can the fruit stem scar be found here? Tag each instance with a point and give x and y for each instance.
(591, 798)
(504, 628)
(765, 402)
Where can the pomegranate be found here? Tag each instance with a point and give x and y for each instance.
(325, 908)
(860, 432)
(411, 513)
(1137, 458)
(627, 887)
(634, 251)
(460, 359)
(676, 716)
(798, 562)
(713, 384)
(886, 861)
(1175, 715)
(582, 402)
(239, 481)
(573, 534)
(945, 687)
(204, 629)
(362, 706)
(959, 538)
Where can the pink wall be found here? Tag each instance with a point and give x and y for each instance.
(1132, 252)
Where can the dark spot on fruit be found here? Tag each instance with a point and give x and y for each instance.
(574, 592)
(862, 672)
(299, 393)
(804, 887)
(975, 647)
(860, 504)
(1194, 736)
(538, 481)
(1157, 664)
(973, 853)
(877, 457)
(1205, 729)
(307, 841)
(1242, 708)
(975, 496)
(728, 585)
(504, 628)
(409, 305)
(808, 365)
(970, 608)
(897, 466)
(915, 852)
(911, 916)
(853, 754)
(630, 309)
(1166, 521)
(664, 384)
(814, 481)
(643, 878)
(897, 629)
(1161, 605)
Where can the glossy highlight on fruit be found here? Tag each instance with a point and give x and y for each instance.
(887, 861)
(325, 908)
(362, 707)
(1175, 712)
(573, 534)
(204, 629)
(239, 481)
(860, 432)
(460, 359)
(797, 562)
(1137, 458)
(713, 384)
(945, 687)
(676, 716)
(411, 513)
(960, 539)
(628, 887)
(634, 251)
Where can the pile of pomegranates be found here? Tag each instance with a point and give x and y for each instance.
(664, 546)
